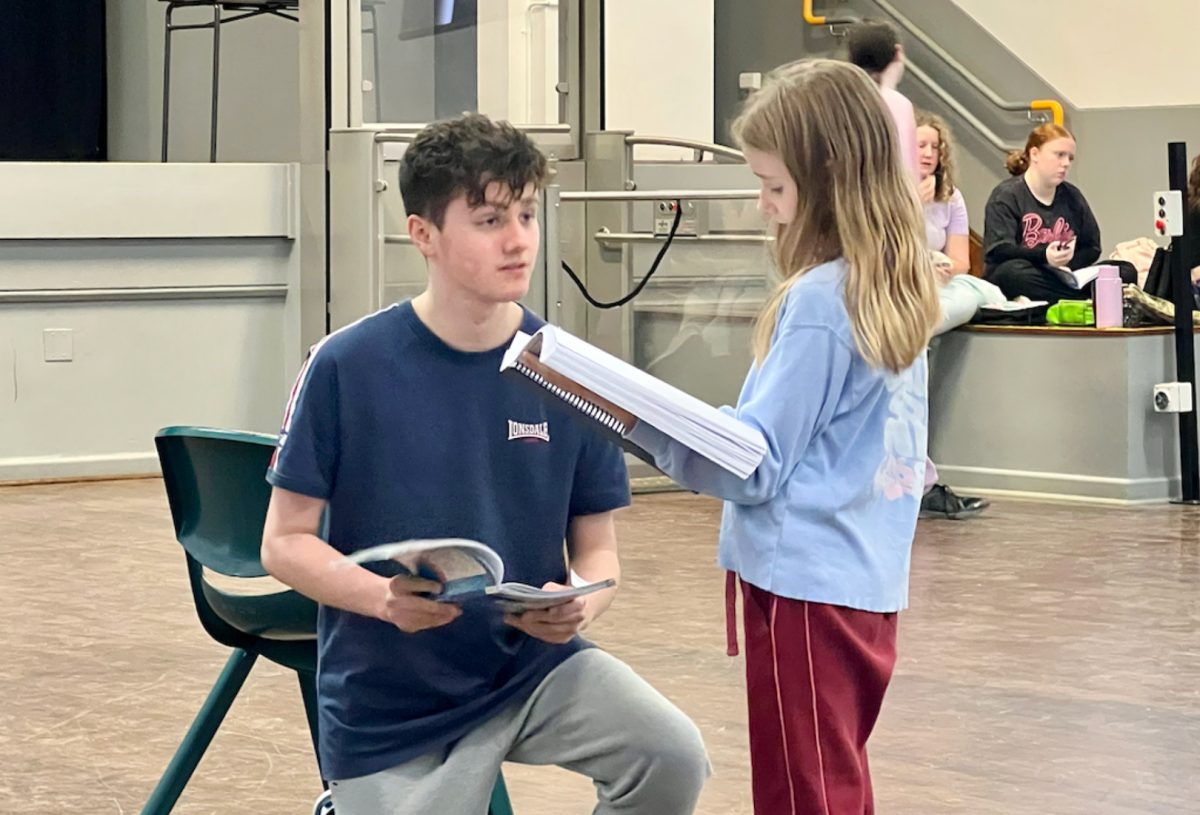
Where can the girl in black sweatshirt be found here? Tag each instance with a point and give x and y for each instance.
(1037, 220)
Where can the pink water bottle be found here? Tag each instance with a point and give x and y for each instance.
(1107, 298)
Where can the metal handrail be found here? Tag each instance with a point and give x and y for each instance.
(658, 195)
(415, 127)
(812, 18)
(606, 238)
(603, 236)
(700, 147)
(231, 292)
(952, 103)
(405, 132)
(387, 138)
(1055, 107)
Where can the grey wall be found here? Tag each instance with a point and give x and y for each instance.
(1123, 160)
(760, 34)
(140, 361)
(755, 35)
(1122, 153)
(259, 89)
(1091, 432)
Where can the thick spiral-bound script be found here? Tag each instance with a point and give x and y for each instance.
(721, 438)
(589, 409)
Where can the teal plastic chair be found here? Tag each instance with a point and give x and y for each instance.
(218, 494)
(218, 497)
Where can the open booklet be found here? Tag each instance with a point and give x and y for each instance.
(1078, 278)
(1016, 305)
(469, 569)
(717, 436)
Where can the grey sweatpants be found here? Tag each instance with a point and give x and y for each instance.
(592, 715)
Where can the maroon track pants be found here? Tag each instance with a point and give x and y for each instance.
(815, 679)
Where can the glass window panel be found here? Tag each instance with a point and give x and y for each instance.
(427, 59)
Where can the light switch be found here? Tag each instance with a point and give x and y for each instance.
(58, 345)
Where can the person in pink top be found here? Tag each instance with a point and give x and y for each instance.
(875, 47)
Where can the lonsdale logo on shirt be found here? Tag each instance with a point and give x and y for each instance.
(528, 432)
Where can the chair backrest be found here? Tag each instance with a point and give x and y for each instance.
(216, 486)
(218, 494)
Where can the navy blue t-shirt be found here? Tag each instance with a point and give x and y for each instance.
(406, 437)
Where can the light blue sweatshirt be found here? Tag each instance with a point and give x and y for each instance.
(829, 514)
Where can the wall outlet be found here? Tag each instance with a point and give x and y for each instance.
(58, 345)
(692, 219)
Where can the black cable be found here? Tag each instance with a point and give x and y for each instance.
(638, 288)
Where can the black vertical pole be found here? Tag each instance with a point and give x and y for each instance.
(216, 80)
(1185, 348)
(166, 110)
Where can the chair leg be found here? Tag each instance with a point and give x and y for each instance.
(500, 805)
(200, 734)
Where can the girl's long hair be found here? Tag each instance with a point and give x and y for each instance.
(827, 122)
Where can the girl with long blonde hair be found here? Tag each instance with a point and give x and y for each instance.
(819, 536)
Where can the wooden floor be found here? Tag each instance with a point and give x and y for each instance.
(1050, 664)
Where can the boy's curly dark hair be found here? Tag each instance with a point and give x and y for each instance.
(463, 156)
(872, 45)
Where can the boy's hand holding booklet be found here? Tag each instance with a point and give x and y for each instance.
(615, 395)
(467, 570)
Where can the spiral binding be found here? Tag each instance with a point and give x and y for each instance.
(592, 411)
